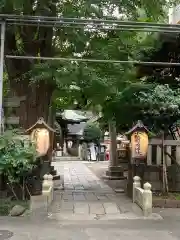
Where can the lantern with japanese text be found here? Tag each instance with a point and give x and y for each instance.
(139, 141)
(139, 144)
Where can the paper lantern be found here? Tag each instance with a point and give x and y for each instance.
(40, 136)
(139, 144)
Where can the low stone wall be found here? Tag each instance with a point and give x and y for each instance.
(142, 196)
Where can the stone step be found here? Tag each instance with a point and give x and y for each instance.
(98, 219)
(66, 158)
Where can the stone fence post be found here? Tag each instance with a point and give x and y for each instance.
(136, 183)
(147, 199)
(47, 187)
(47, 181)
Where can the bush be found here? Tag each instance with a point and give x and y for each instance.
(92, 133)
(17, 158)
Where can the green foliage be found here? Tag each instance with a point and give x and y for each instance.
(17, 158)
(92, 133)
(161, 106)
(161, 97)
(158, 106)
(93, 84)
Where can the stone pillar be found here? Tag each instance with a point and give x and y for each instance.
(48, 188)
(65, 149)
(147, 200)
(113, 146)
(136, 183)
(115, 171)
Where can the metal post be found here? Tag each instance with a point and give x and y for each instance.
(1, 71)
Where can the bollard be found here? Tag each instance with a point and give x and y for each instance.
(47, 187)
(45, 183)
(147, 200)
(50, 179)
(136, 183)
(51, 184)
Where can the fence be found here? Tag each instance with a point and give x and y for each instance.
(154, 154)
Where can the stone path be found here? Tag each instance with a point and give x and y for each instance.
(86, 197)
(25, 229)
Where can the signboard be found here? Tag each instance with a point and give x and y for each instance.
(139, 144)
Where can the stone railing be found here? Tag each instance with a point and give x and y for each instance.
(48, 188)
(142, 196)
(42, 202)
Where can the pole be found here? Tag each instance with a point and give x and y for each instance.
(165, 180)
(1, 71)
(113, 144)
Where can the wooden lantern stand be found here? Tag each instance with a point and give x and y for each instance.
(45, 159)
(137, 160)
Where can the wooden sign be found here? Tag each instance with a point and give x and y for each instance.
(139, 144)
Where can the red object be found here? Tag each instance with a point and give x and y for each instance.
(107, 156)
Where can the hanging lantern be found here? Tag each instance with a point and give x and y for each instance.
(139, 144)
(42, 135)
(139, 141)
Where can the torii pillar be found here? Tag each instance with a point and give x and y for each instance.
(115, 171)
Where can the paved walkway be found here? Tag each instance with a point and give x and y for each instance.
(23, 229)
(86, 197)
(89, 200)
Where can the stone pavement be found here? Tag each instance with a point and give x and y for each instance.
(90, 201)
(26, 229)
(86, 197)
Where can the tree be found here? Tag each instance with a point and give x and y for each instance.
(158, 106)
(42, 41)
(162, 100)
(92, 133)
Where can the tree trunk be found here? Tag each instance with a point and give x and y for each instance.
(37, 105)
(35, 41)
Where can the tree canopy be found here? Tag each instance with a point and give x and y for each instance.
(87, 84)
(92, 133)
